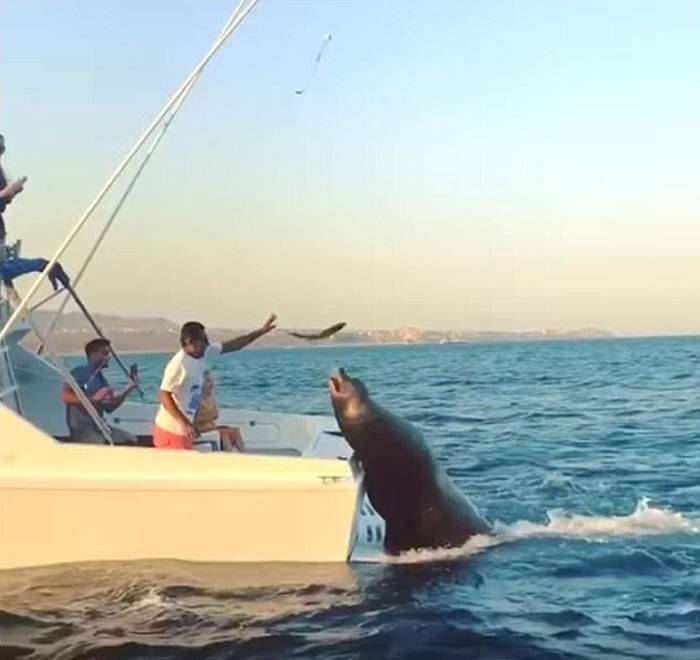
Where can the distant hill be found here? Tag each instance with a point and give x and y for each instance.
(160, 334)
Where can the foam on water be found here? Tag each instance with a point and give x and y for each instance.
(153, 599)
(473, 546)
(645, 520)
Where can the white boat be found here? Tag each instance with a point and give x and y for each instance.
(296, 494)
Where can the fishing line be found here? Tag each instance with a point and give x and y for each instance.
(317, 61)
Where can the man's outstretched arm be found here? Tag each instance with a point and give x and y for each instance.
(241, 342)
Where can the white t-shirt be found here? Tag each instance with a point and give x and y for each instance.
(183, 378)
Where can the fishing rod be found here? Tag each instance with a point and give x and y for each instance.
(43, 301)
(128, 372)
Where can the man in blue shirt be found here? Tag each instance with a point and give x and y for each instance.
(104, 398)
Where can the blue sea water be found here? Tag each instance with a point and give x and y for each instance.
(585, 453)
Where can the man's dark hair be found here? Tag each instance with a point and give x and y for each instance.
(96, 345)
(192, 330)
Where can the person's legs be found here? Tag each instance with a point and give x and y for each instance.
(231, 438)
(166, 440)
(87, 435)
(93, 436)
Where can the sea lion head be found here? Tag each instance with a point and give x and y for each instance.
(349, 396)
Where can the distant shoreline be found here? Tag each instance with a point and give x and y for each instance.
(461, 342)
(153, 335)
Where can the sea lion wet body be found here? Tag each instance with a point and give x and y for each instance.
(406, 485)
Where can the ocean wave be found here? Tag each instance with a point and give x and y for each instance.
(563, 414)
(621, 563)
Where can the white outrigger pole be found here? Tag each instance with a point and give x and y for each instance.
(117, 208)
(164, 120)
(174, 104)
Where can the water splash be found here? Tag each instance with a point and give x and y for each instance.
(474, 546)
(645, 520)
(152, 599)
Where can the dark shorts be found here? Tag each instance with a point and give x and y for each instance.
(90, 435)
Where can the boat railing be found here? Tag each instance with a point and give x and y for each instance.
(9, 393)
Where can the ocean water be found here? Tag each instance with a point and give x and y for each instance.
(586, 454)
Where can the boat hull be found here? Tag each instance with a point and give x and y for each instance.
(74, 503)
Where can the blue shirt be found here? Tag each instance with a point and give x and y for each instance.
(90, 380)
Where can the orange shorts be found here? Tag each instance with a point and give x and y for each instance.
(167, 440)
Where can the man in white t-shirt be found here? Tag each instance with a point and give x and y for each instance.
(181, 388)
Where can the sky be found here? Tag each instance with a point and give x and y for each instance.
(483, 165)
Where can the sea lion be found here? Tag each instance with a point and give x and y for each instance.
(421, 506)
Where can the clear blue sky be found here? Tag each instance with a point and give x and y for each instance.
(484, 165)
